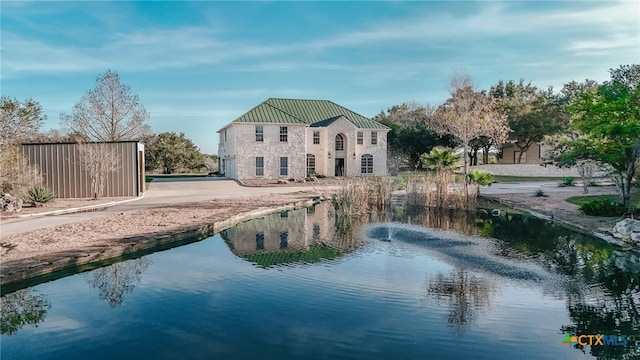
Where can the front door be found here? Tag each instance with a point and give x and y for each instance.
(339, 167)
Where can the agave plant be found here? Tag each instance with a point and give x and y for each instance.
(40, 194)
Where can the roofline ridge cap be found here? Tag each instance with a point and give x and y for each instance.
(277, 108)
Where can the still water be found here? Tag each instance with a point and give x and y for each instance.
(404, 284)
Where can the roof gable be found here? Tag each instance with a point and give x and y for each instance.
(300, 111)
(265, 112)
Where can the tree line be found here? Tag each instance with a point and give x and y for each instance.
(588, 124)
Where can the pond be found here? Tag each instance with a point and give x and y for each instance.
(404, 284)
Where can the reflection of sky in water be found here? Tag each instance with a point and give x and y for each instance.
(202, 301)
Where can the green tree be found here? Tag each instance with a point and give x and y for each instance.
(608, 121)
(532, 113)
(409, 133)
(172, 152)
(19, 121)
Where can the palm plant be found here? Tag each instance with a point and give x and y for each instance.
(479, 177)
(441, 159)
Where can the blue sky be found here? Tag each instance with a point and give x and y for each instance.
(198, 65)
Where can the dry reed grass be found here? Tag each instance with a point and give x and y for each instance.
(358, 196)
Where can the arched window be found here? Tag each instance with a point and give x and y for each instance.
(311, 164)
(366, 164)
(339, 142)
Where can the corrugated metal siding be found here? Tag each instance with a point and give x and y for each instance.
(62, 171)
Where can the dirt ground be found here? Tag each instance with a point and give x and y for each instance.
(145, 222)
(555, 207)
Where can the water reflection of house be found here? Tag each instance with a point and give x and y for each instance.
(299, 235)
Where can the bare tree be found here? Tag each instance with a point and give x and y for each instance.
(98, 160)
(115, 281)
(108, 112)
(467, 115)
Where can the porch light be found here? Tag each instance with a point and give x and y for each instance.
(329, 154)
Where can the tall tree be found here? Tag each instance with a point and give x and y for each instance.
(608, 121)
(409, 133)
(108, 112)
(172, 152)
(19, 121)
(532, 113)
(467, 115)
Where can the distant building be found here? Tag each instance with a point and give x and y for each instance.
(533, 155)
(293, 138)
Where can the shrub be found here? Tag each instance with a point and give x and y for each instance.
(540, 193)
(480, 177)
(40, 194)
(568, 181)
(602, 207)
(400, 183)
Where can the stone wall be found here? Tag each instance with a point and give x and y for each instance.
(272, 149)
(530, 170)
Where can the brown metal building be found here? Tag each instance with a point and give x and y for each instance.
(62, 171)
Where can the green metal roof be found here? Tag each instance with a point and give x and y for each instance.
(299, 111)
(266, 112)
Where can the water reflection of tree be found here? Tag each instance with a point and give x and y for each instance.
(556, 248)
(20, 308)
(612, 308)
(115, 281)
(466, 294)
(445, 219)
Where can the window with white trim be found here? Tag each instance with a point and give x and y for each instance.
(284, 133)
(316, 137)
(366, 164)
(360, 137)
(339, 142)
(284, 166)
(259, 133)
(259, 166)
(311, 164)
(374, 138)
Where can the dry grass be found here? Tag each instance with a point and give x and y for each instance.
(359, 196)
(439, 190)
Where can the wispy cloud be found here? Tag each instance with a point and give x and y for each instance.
(616, 24)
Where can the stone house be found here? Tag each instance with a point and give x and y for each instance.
(294, 138)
